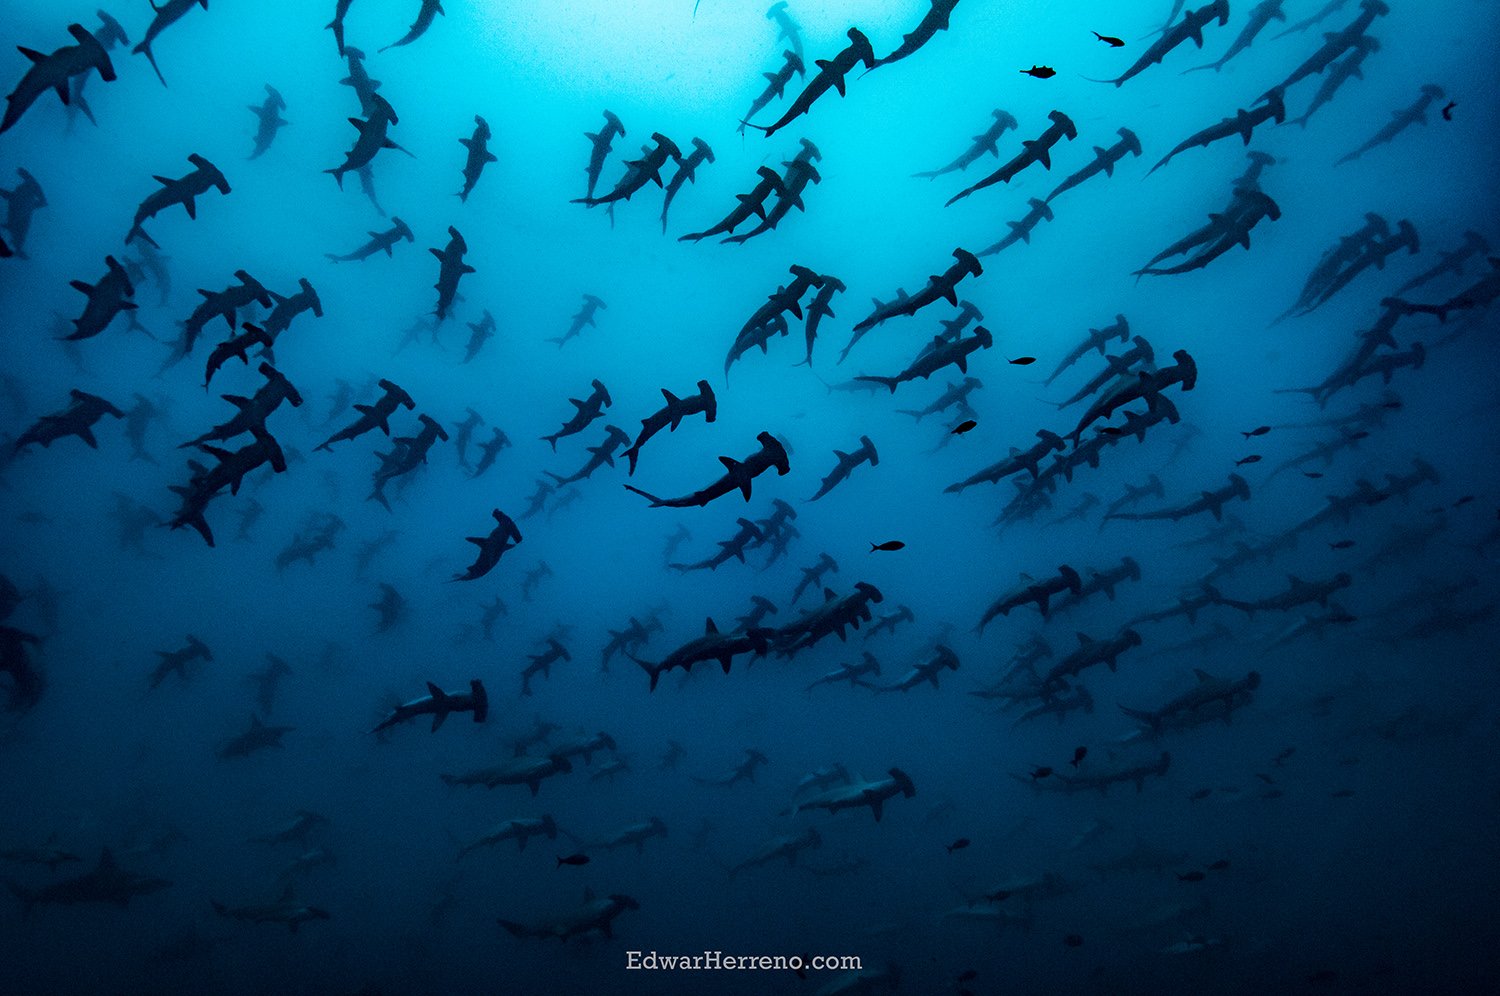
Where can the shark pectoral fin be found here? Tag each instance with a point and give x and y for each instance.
(438, 718)
(192, 208)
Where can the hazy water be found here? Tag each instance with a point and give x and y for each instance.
(1388, 888)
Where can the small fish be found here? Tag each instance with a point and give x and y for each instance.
(1079, 753)
(1040, 72)
(967, 425)
(889, 546)
(1265, 778)
(1022, 361)
(1192, 876)
(1252, 458)
(1074, 940)
(1042, 772)
(1257, 431)
(1448, 111)
(1463, 501)
(1312, 475)
(1322, 975)
(576, 860)
(1391, 405)
(1219, 865)
(1281, 758)
(958, 845)
(1343, 794)
(1341, 545)
(1272, 794)
(1200, 794)
(1111, 430)
(968, 975)
(1108, 40)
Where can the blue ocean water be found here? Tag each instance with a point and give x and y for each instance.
(1325, 825)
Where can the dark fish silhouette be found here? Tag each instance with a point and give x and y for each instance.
(935, 20)
(451, 269)
(270, 121)
(738, 475)
(479, 156)
(56, 72)
(1037, 150)
(184, 190)
(426, 14)
(1189, 28)
(831, 76)
(987, 142)
(379, 242)
(1261, 15)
